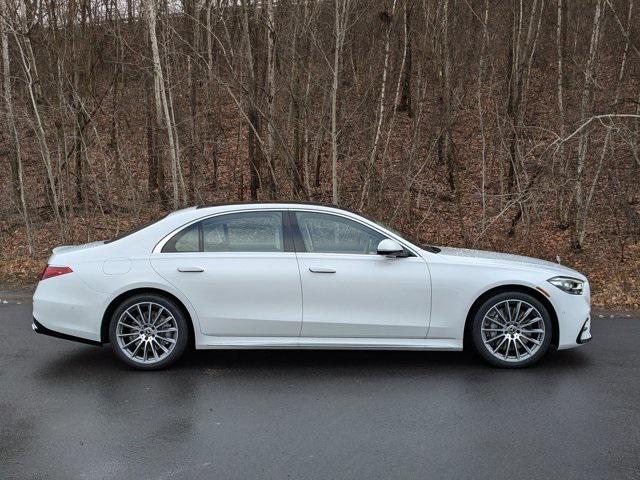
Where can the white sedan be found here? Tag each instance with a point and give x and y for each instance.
(303, 276)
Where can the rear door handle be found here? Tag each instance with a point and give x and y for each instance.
(191, 269)
(322, 270)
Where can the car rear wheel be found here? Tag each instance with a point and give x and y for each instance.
(148, 332)
(512, 330)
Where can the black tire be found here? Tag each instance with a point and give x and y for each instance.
(485, 352)
(182, 334)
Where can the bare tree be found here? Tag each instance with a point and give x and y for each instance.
(15, 158)
(585, 109)
(340, 27)
(161, 101)
(381, 107)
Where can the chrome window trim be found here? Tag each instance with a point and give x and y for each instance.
(166, 238)
(356, 218)
(337, 212)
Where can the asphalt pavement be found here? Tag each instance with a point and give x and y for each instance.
(70, 411)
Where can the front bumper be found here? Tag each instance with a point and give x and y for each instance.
(39, 328)
(585, 333)
(574, 314)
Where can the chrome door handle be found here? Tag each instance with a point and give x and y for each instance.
(321, 270)
(191, 269)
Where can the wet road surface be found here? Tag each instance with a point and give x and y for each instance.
(70, 411)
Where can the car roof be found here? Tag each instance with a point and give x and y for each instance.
(269, 203)
(276, 204)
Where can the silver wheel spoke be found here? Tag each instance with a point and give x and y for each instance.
(164, 321)
(495, 338)
(535, 320)
(140, 312)
(131, 342)
(153, 349)
(129, 326)
(525, 315)
(170, 340)
(160, 310)
(501, 316)
(500, 344)
(134, 319)
(525, 347)
(164, 349)
(493, 320)
(517, 314)
(532, 340)
(167, 330)
(508, 311)
(133, 354)
(506, 349)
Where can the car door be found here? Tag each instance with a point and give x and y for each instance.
(350, 291)
(240, 273)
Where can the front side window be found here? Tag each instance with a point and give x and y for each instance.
(326, 233)
(234, 232)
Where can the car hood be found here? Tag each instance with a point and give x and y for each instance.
(466, 255)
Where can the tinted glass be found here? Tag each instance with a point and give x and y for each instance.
(325, 233)
(244, 232)
(187, 240)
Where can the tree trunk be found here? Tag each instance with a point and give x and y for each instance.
(162, 104)
(586, 106)
(253, 118)
(340, 21)
(272, 184)
(561, 41)
(381, 111)
(15, 158)
(405, 104)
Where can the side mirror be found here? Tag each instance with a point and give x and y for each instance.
(390, 248)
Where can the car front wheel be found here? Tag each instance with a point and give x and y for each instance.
(148, 332)
(511, 330)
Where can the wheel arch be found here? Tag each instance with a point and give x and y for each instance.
(512, 288)
(106, 317)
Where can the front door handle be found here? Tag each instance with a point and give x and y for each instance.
(322, 270)
(191, 269)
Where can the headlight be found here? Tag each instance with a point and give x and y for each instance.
(568, 284)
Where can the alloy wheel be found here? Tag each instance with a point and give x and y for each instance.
(147, 332)
(513, 330)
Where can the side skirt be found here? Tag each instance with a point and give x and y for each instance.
(213, 343)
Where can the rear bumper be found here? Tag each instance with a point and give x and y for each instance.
(39, 328)
(66, 305)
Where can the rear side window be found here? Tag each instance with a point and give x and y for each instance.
(244, 232)
(186, 240)
(234, 232)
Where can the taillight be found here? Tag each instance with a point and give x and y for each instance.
(51, 271)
